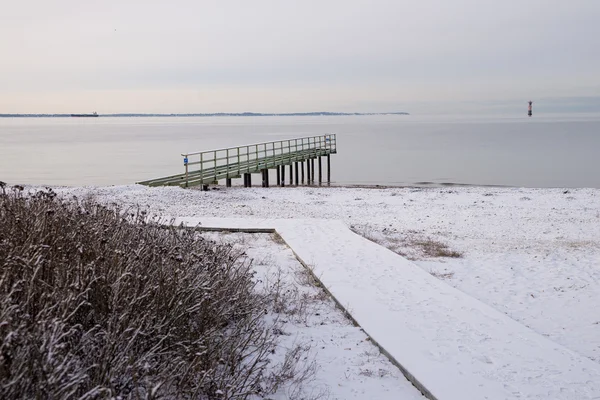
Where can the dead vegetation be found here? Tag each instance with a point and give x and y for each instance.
(101, 302)
(410, 244)
(306, 277)
(276, 237)
(442, 275)
(433, 248)
(296, 298)
(581, 244)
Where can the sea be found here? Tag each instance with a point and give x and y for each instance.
(396, 150)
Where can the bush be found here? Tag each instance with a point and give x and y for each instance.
(98, 302)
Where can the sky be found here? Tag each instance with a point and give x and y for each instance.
(201, 56)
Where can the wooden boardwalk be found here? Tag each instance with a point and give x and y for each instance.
(208, 167)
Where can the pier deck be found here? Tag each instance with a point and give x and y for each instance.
(206, 167)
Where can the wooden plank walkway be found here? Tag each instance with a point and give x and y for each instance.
(450, 345)
(206, 167)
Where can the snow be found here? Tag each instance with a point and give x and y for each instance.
(348, 365)
(528, 254)
(454, 345)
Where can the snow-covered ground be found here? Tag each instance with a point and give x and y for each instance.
(451, 345)
(343, 362)
(533, 254)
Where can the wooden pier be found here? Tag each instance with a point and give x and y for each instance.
(208, 167)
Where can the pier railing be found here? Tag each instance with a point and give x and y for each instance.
(235, 161)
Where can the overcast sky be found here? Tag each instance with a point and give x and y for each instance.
(286, 56)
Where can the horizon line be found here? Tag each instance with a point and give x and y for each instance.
(215, 114)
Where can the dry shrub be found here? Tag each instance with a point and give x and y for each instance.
(410, 244)
(306, 277)
(434, 248)
(99, 302)
(294, 298)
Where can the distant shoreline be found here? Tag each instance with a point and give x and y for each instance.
(245, 114)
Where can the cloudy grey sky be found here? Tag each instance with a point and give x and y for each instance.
(280, 56)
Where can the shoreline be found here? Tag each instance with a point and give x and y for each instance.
(416, 185)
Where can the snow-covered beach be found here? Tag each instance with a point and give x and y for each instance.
(533, 254)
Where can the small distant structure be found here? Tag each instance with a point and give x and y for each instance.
(530, 109)
(95, 114)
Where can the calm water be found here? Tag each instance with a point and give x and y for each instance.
(396, 150)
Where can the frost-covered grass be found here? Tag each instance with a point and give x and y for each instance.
(408, 244)
(102, 302)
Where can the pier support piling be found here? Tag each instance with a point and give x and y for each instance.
(282, 175)
(308, 172)
(328, 169)
(320, 171)
(247, 180)
(296, 171)
(302, 170)
(278, 176)
(312, 170)
(291, 174)
(227, 182)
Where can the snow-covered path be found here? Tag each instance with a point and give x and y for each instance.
(454, 345)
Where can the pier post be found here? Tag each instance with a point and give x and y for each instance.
(278, 176)
(247, 180)
(320, 171)
(312, 170)
(227, 182)
(296, 171)
(302, 169)
(328, 169)
(282, 175)
(185, 161)
(291, 174)
(265, 181)
(308, 172)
